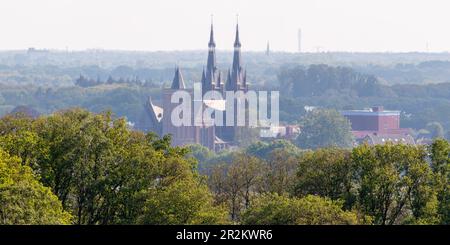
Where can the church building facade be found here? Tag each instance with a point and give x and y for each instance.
(215, 137)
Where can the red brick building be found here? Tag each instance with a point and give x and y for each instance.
(376, 121)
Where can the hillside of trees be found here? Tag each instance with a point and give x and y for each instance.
(77, 167)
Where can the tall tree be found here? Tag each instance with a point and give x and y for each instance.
(279, 173)
(440, 163)
(436, 130)
(23, 199)
(326, 172)
(235, 184)
(393, 184)
(324, 128)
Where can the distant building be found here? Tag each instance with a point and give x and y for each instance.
(379, 139)
(282, 132)
(32, 51)
(377, 126)
(207, 134)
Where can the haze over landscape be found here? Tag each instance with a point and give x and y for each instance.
(98, 125)
(327, 25)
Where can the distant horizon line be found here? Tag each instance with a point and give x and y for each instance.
(59, 50)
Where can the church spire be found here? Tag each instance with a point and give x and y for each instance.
(228, 83)
(178, 81)
(237, 51)
(211, 63)
(203, 77)
(219, 80)
(211, 43)
(237, 42)
(236, 69)
(211, 66)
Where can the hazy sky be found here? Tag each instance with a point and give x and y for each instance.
(328, 25)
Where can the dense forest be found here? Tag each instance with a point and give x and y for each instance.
(76, 167)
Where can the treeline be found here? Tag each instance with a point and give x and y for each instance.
(75, 167)
(60, 75)
(83, 81)
(343, 88)
(125, 100)
(317, 80)
(402, 72)
(278, 183)
(439, 90)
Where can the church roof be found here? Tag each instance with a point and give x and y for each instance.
(157, 111)
(178, 81)
(218, 140)
(215, 104)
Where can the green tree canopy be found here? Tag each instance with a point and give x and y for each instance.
(183, 202)
(393, 184)
(436, 130)
(325, 172)
(324, 128)
(263, 149)
(23, 199)
(200, 153)
(279, 173)
(235, 184)
(102, 171)
(273, 209)
(440, 163)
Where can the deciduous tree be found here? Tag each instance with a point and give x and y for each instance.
(273, 209)
(23, 199)
(324, 128)
(393, 183)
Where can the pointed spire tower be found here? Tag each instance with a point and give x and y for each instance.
(237, 51)
(211, 64)
(211, 67)
(178, 81)
(237, 72)
(203, 77)
(228, 84)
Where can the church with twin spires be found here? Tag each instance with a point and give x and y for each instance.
(212, 136)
